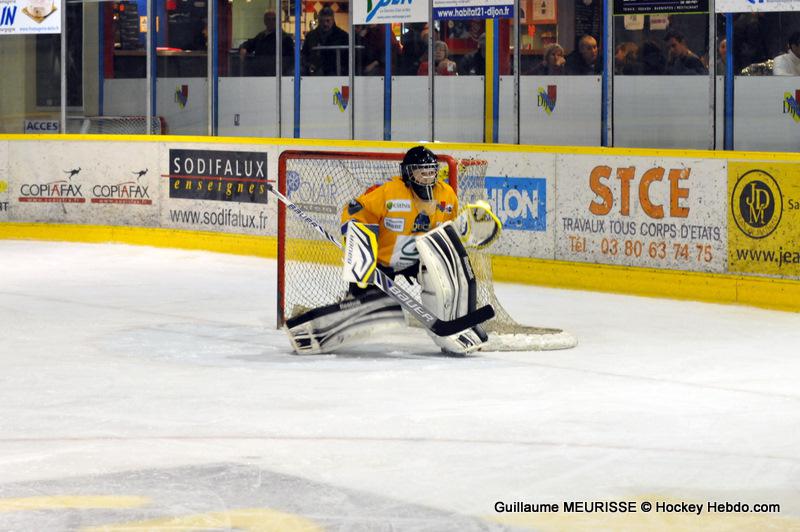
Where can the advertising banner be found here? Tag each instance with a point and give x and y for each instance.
(217, 189)
(30, 16)
(647, 7)
(70, 182)
(386, 11)
(521, 191)
(738, 6)
(469, 9)
(642, 211)
(764, 218)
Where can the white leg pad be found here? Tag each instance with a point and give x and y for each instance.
(448, 286)
(331, 328)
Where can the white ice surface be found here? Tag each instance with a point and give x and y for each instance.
(117, 359)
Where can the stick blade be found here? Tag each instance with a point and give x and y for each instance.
(478, 316)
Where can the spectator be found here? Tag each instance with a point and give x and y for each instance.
(443, 65)
(324, 51)
(474, 63)
(722, 57)
(262, 48)
(750, 40)
(371, 51)
(626, 58)
(584, 60)
(788, 64)
(553, 62)
(682, 61)
(414, 46)
(651, 59)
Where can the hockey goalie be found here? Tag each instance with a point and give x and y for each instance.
(411, 227)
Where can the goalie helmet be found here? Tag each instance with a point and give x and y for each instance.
(420, 170)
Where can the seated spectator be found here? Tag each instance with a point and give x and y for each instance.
(651, 59)
(682, 61)
(414, 44)
(584, 60)
(722, 57)
(553, 62)
(371, 49)
(324, 51)
(443, 65)
(751, 33)
(474, 63)
(788, 64)
(262, 47)
(626, 58)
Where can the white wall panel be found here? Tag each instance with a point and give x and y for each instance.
(763, 117)
(662, 112)
(560, 110)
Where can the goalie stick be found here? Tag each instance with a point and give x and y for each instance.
(390, 288)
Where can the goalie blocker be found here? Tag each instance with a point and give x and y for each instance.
(449, 290)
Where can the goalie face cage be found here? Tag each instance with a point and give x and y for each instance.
(309, 268)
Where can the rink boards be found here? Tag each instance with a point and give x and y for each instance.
(689, 224)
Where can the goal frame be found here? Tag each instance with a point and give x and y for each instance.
(287, 155)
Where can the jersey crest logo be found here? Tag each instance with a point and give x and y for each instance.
(444, 207)
(353, 207)
(422, 223)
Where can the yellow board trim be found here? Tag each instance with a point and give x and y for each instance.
(764, 292)
(437, 146)
(259, 246)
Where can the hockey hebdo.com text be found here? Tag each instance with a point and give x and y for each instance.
(222, 217)
(630, 507)
(781, 257)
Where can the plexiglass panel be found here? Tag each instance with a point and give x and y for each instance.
(662, 90)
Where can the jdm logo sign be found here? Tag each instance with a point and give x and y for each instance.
(519, 202)
(757, 204)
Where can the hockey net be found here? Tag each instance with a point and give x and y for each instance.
(116, 125)
(309, 268)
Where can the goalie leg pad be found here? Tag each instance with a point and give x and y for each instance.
(326, 329)
(360, 253)
(449, 288)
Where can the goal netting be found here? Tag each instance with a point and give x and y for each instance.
(309, 268)
(116, 125)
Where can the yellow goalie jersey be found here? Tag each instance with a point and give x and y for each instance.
(400, 215)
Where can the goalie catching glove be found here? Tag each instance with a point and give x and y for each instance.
(478, 227)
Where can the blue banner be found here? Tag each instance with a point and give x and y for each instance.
(464, 12)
